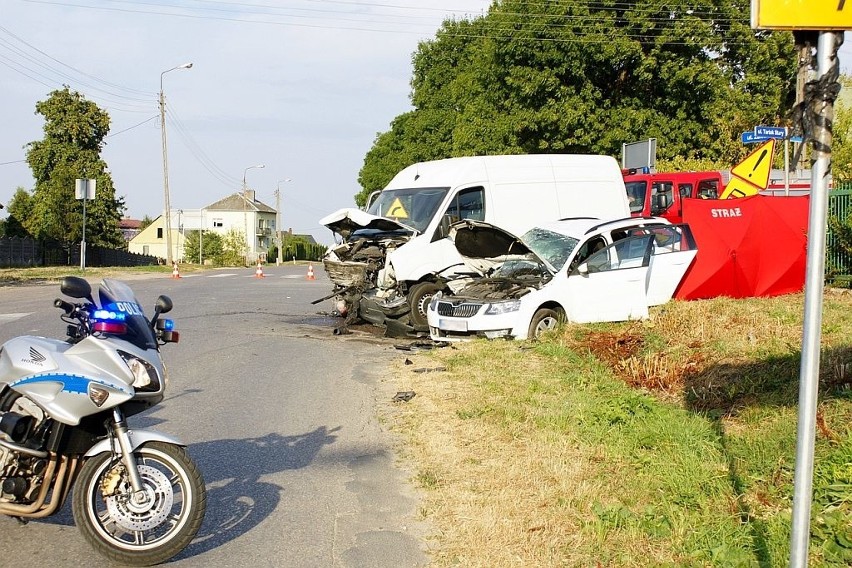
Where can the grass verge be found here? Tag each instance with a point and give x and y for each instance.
(669, 442)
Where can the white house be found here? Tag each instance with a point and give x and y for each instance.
(240, 212)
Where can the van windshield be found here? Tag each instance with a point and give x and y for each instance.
(414, 207)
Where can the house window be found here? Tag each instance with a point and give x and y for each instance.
(145, 249)
(160, 233)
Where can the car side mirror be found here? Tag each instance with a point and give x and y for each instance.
(583, 269)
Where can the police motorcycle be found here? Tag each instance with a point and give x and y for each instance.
(137, 496)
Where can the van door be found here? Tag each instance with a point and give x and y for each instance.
(673, 250)
(613, 288)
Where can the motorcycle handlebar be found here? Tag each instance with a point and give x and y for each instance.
(66, 306)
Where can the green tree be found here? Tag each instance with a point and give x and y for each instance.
(570, 76)
(18, 208)
(233, 249)
(74, 132)
(841, 148)
(210, 242)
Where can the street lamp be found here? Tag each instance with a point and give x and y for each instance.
(278, 217)
(245, 207)
(179, 235)
(168, 206)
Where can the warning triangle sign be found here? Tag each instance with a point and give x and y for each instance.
(397, 210)
(757, 165)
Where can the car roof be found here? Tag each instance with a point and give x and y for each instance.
(581, 226)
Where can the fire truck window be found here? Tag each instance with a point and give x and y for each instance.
(685, 189)
(708, 189)
(662, 196)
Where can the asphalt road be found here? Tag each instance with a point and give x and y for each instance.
(280, 415)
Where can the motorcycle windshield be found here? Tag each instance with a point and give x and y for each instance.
(117, 297)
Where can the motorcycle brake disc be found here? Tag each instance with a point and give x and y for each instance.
(151, 513)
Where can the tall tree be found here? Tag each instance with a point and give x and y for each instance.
(580, 77)
(19, 208)
(74, 132)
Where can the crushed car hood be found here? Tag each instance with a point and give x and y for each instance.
(348, 220)
(484, 246)
(477, 240)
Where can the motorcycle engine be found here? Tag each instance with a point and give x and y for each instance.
(21, 475)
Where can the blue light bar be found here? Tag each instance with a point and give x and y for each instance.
(107, 315)
(168, 325)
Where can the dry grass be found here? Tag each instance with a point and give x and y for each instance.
(515, 474)
(513, 491)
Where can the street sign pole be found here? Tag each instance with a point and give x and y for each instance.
(84, 189)
(823, 107)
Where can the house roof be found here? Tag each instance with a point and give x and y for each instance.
(129, 223)
(236, 202)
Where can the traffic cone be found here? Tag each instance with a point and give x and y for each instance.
(175, 271)
(310, 275)
(259, 272)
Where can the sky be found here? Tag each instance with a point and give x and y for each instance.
(301, 87)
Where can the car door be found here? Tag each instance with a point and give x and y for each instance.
(610, 285)
(673, 250)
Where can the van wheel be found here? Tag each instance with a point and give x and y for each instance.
(545, 319)
(419, 297)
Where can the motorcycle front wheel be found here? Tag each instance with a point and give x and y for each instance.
(140, 530)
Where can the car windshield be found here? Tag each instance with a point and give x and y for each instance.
(553, 248)
(636, 195)
(413, 207)
(118, 297)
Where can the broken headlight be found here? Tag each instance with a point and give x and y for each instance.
(497, 308)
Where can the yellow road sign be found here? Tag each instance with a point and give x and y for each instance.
(801, 14)
(756, 167)
(738, 187)
(397, 210)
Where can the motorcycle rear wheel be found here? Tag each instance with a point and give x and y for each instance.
(146, 533)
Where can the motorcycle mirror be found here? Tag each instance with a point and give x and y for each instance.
(164, 305)
(75, 287)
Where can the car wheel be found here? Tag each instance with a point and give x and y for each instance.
(419, 297)
(545, 319)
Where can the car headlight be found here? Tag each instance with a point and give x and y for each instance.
(433, 303)
(497, 308)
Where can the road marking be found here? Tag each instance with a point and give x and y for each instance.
(221, 275)
(5, 318)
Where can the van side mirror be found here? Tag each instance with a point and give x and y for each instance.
(443, 229)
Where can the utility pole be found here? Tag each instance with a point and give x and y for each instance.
(166, 200)
(278, 220)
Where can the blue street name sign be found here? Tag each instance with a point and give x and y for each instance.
(750, 137)
(779, 132)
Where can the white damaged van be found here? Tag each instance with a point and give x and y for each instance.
(394, 257)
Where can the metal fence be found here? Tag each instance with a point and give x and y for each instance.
(25, 252)
(839, 262)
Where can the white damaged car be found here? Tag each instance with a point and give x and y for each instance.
(579, 270)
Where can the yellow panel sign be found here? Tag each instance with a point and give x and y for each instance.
(801, 14)
(738, 188)
(397, 210)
